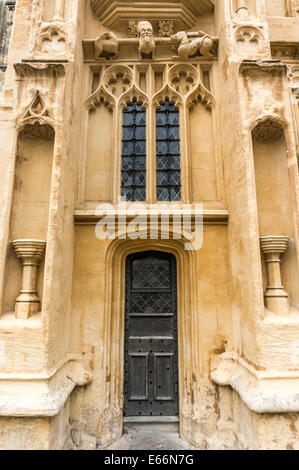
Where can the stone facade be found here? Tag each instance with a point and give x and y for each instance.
(231, 70)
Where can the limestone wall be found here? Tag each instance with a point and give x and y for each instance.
(72, 70)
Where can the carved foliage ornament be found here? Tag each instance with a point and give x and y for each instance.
(166, 28)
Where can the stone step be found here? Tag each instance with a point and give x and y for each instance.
(169, 424)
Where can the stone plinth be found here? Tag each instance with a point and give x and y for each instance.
(273, 247)
(30, 252)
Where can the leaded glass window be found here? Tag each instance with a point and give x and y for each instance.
(134, 153)
(168, 153)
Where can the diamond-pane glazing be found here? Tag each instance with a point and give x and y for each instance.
(134, 153)
(168, 153)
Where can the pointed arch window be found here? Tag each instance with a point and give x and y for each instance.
(134, 153)
(168, 152)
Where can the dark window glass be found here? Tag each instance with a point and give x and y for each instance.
(134, 153)
(168, 153)
(7, 8)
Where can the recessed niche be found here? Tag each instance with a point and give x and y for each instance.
(31, 201)
(275, 206)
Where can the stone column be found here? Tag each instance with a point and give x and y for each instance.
(30, 253)
(276, 299)
(59, 11)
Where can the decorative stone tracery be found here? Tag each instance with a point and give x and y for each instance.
(251, 39)
(182, 86)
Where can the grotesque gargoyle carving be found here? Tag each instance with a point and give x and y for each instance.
(106, 46)
(147, 44)
(191, 47)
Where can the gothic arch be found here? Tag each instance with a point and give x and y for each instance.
(116, 255)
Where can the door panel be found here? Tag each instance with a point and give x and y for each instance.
(151, 359)
(138, 369)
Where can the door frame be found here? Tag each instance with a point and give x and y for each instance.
(114, 325)
(171, 259)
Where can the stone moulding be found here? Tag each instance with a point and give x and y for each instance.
(31, 70)
(47, 397)
(210, 216)
(185, 12)
(260, 395)
(189, 45)
(285, 50)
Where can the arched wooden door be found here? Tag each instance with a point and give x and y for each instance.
(151, 348)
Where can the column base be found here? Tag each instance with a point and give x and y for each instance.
(276, 300)
(25, 310)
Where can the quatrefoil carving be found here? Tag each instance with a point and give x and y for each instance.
(118, 80)
(183, 79)
(52, 39)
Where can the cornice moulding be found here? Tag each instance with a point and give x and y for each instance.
(183, 11)
(88, 216)
(36, 69)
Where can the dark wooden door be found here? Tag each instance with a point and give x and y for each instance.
(151, 358)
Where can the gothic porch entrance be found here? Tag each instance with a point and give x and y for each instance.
(151, 347)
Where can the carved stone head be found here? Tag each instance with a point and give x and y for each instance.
(146, 37)
(145, 30)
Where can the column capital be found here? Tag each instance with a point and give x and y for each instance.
(29, 249)
(271, 244)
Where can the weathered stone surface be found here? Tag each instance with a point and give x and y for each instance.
(230, 70)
